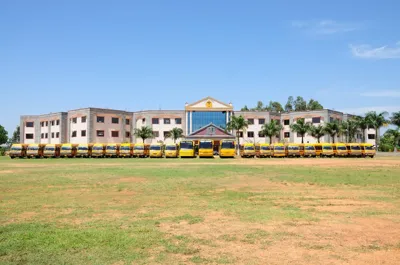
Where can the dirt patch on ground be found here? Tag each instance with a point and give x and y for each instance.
(130, 180)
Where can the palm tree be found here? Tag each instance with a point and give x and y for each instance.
(350, 127)
(362, 125)
(301, 127)
(333, 129)
(271, 129)
(376, 120)
(175, 134)
(396, 135)
(317, 131)
(237, 124)
(145, 132)
(395, 119)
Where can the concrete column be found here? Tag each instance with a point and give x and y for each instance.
(37, 130)
(21, 130)
(191, 122)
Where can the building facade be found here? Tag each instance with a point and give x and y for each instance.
(204, 119)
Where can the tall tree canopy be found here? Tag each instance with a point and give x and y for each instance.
(3, 135)
(238, 124)
(16, 136)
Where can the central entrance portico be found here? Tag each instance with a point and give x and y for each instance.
(210, 131)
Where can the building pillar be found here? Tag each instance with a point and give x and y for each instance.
(190, 122)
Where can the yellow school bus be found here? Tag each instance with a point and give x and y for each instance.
(68, 150)
(98, 150)
(186, 148)
(84, 150)
(263, 150)
(327, 150)
(227, 148)
(279, 150)
(309, 150)
(171, 150)
(112, 150)
(354, 149)
(51, 150)
(248, 150)
(126, 150)
(35, 150)
(367, 150)
(18, 150)
(293, 150)
(206, 148)
(318, 149)
(340, 150)
(156, 150)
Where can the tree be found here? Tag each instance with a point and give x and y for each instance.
(317, 131)
(3, 135)
(289, 104)
(238, 124)
(395, 119)
(333, 129)
(145, 133)
(376, 120)
(245, 108)
(271, 129)
(274, 106)
(350, 128)
(314, 105)
(301, 127)
(260, 106)
(362, 125)
(300, 104)
(395, 133)
(175, 134)
(16, 136)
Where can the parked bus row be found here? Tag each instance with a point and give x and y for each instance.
(188, 148)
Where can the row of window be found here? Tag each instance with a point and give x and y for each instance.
(45, 123)
(114, 120)
(166, 121)
(100, 133)
(46, 135)
(285, 122)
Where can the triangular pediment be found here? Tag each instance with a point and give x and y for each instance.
(209, 103)
(210, 131)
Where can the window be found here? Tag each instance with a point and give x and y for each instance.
(114, 133)
(250, 134)
(100, 133)
(47, 123)
(73, 134)
(115, 121)
(42, 135)
(74, 120)
(52, 135)
(286, 134)
(154, 121)
(42, 124)
(166, 134)
(58, 122)
(127, 134)
(200, 119)
(127, 121)
(57, 135)
(316, 120)
(250, 121)
(29, 124)
(167, 121)
(286, 122)
(52, 124)
(299, 135)
(83, 119)
(260, 134)
(29, 136)
(261, 121)
(371, 136)
(240, 134)
(178, 121)
(100, 119)
(156, 134)
(83, 133)
(143, 120)
(47, 135)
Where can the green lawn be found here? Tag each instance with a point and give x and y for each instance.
(192, 211)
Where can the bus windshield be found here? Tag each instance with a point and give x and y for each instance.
(111, 147)
(355, 147)
(170, 147)
(139, 147)
(309, 147)
(125, 148)
(343, 148)
(205, 145)
(82, 148)
(155, 147)
(186, 145)
(49, 149)
(327, 147)
(280, 148)
(265, 148)
(34, 148)
(293, 147)
(98, 147)
(251, 148)
(227, 145)
(66, 148)
(369, 147)
(16, 148)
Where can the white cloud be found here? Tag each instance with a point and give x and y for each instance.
(381, 93)
(383, 52)
(324, 27)
(363, 110)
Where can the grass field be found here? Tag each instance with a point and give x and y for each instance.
(192, 211)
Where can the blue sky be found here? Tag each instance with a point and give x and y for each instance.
(135, 55)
